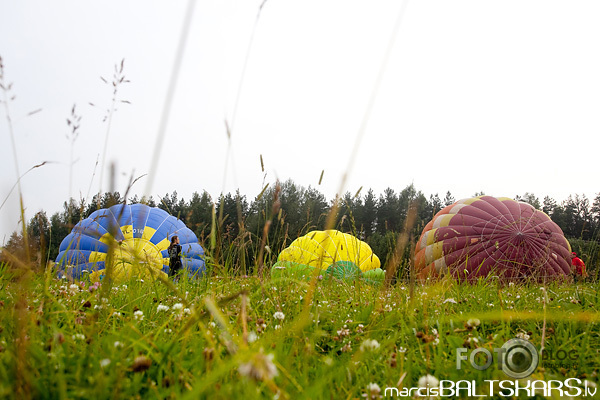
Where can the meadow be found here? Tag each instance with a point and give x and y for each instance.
(223, 337)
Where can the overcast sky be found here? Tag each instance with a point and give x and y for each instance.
(493, 96)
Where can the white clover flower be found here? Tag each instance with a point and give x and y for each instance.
(162, 307)
(473, 322)
(177, 307)
(187, 311)
(118, 344)
(472, 340)
(277, 327)
(450, 300)
(260, 367)
(388, 308)
(522, 335)
(104, 362)
(401, 349)
(138, 315)
(252, 337)
(74, 289)
(369, 345)
(372, 391)
(343, 332)
(279, 315)
(428, 381)
(212, 324)
(78, 336)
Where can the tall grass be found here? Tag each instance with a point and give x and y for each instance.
(228, 337)
(237, 333)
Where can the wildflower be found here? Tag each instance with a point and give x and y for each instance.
(523, 335)
(279, 315)
(162, 307)
(94, 286)
(369, 345)
(387, 308)
(372, 391)
(252, 336)
(187, 311)
(401, 349)
(177, 307)
(450, 300)
(138, 315)
(118, 344)
(360, 328)
(428, 381)
(78, 336)
(343, 332)
(74, 289)
(104, 362)
(346, 348)
(212, 324)
(473, 322)
(260, 367)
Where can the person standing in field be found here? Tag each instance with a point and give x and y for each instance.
(174, 256)
(578, 266)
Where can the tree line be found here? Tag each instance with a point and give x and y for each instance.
(240, 234)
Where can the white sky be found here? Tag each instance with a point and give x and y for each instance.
(494, 96)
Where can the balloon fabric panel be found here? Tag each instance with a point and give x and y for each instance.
(141, 236)
(476, 236)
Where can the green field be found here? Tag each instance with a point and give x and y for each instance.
(231, 337)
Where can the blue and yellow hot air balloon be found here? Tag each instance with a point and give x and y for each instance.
(339, 254)
(139, 236)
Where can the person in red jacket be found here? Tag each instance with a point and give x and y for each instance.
(579, 266)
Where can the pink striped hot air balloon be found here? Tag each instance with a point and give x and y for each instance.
(499, 236)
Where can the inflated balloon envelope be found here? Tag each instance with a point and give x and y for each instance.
(337, 254)
(492, 236)
(136, 237)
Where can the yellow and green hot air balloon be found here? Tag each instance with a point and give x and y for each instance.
(339, 254)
